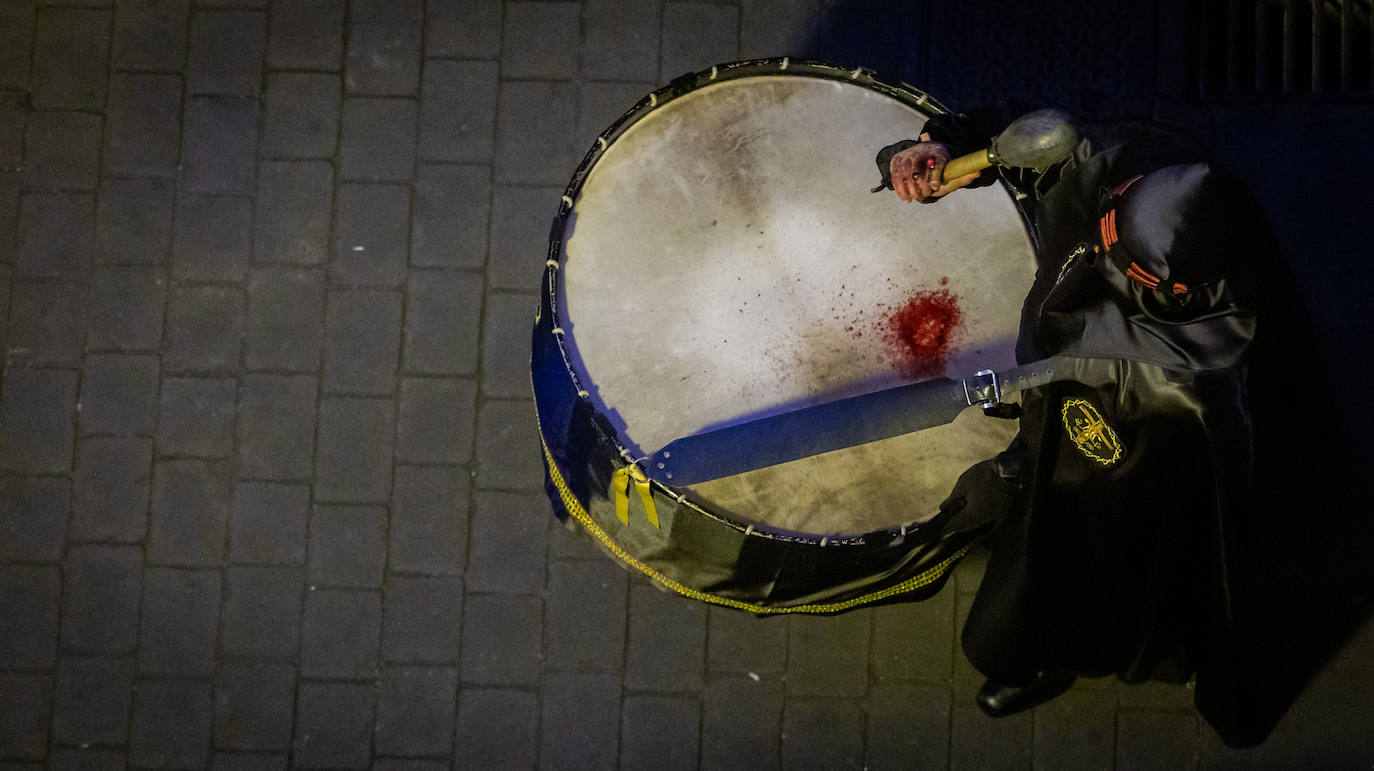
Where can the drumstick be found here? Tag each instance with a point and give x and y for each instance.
(1035, 140)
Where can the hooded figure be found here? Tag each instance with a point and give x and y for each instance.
(1120, 513)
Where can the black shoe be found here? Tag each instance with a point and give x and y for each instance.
(999, 699)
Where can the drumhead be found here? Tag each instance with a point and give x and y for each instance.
(724, 259)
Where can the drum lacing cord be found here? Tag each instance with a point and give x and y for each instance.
(578, 512)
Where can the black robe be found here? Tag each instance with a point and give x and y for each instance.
(1122, 512)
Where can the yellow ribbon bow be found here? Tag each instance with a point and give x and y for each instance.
(620, 487)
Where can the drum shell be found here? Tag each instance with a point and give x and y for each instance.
(693, 550)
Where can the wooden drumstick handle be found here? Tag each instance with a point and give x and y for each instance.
(966, 164)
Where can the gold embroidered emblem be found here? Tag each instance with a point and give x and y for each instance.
(1090, 432)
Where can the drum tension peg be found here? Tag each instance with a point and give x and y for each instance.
(984, 388)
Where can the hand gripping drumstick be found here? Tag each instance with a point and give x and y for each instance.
(1035, 140)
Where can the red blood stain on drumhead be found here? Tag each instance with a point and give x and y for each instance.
(921, 333)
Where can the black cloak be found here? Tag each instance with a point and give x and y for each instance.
(1122, 512)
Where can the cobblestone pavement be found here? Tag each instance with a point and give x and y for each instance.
(270, 491)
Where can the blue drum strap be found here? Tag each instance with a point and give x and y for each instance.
(766, 441)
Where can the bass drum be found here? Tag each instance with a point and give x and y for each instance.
(719, 254)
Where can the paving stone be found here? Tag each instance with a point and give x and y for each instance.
(436, 420)
(112, 490)
(980, 742)
(778, 28)
(306, 34)
(371, 233)
(171, 725)
(620, 40)
(347, 546)
(14, 110)
(268, 523)
(458, 111)
(696, 36)
(535, 141)
(126, 307)
(190, 512)
(180, 621)
(914, 640)
(585, 627)
(262, 611)
(416, 708)
(450, 215)
(29, 598)
(100, 599)
(93, 699)
(429, 520)
(341, 634)
(38, 413)
(55, 233)
(740, 722)
(537, 43)
(581, 721)
(1149, 694)
(24, 721)
(212, 240)
(33, 517)
(823, 734)
(502, 639)
(828, 655)
(204, 329)
(667, 645)
(464, 29)
(150, 35)
(276, 429)
(409, 764)
(508, 452)
(362, 341)
(253, 701)
(601, 104)
(506, 324)
(220, 144)
(507, 549)
(196, 417)
(294, 205)
(301, 115)
(16, 43)
(908, 726)
(353, 461)
(520, 218)
(226, 53)
(45, 323)
(660, 732)
(334, 725)
(9, 215)
(119, 394)
(423, 620)
(69, 759)
(377, 140)
(143, 131)
(383, 54)
(232, 3)
(1156, 740)
(1077, 729)
(250, 761)
(134, 221)
(285, 320)
(443, 313)
(71, 48)
(62, 151)
(497, 729)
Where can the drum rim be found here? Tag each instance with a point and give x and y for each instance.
(901, 91)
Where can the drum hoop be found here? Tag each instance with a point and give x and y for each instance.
(903, 92)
